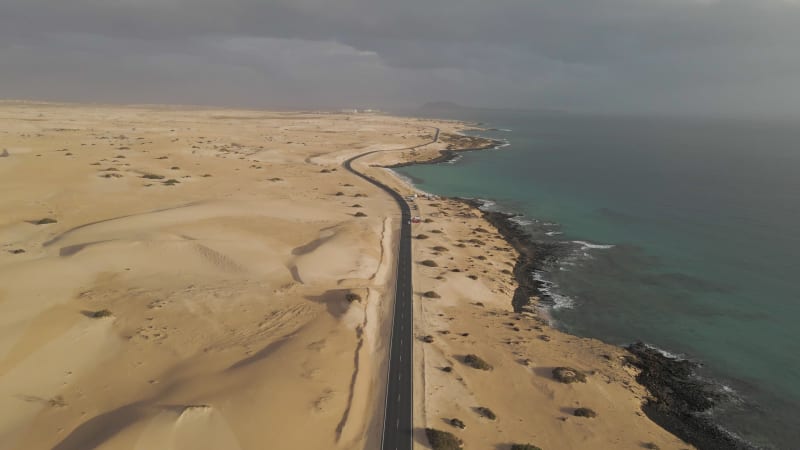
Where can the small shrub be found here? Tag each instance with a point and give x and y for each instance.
(439, 248)
(442, 440)
(339, 194)
(568, 375)
(486, 412)
(429, 263)
(428, 220)
(171, 182)
(360, 214)
(431, 294)
(584, 412)
(472, 277)
(356, 206)
(45, 221)
(57, 402)
(427, 339)
(16, 251)
(436, 231)
(99, 314)
(175, 168)
(447, 369)
(651, 446)
(152, 176)
(352, 297)
(422, 236)
(206, 175)
(476, 362)
(457, 423)
(524, 447)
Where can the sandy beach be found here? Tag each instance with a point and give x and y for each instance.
(188, 278)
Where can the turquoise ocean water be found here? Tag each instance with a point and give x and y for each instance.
(685, 234)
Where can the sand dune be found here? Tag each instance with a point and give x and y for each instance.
(190, 289)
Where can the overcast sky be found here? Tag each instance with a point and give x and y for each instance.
(663, 56)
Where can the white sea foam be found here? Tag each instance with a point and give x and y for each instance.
(548, 287)
(554, 233)
(664, 353)
(504, 144)
(507, 130)
(588, 245)
(455, 159)
(402, 178)
(485, 204)
(521, 221)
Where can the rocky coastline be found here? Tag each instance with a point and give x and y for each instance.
(456, 144)
(679, 400)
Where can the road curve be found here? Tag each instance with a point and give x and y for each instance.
(398, 415)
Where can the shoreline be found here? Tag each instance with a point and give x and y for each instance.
(679, 400)
(679, 397)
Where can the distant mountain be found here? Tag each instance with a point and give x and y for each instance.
(444, 107)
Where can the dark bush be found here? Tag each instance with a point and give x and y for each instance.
(45, 221)
(171, 182)
(431, 294)
(152, 176)
(476, 362)
(584, 412)
(568, 375)
(442, 440)
(360, 214)
(486, 412)
(429, 263)
(428, 339)
(352, 297)
(457, 423)
(422, 236)
(98, 314)
(439, 248)
(524, 447)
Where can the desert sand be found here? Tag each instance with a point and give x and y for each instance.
(187, 278)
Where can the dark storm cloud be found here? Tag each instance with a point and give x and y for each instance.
(606, 55)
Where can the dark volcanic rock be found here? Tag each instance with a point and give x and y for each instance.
(680, 399)
(533, 256)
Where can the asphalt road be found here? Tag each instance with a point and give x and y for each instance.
(398, 417)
